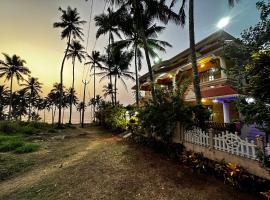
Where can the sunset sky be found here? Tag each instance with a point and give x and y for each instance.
(26, 29)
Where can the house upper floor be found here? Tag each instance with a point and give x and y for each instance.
(210, 62)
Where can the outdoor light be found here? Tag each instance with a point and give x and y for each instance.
(215, 101)
(203, 100)
(223, 22)
(136, 113)
(202, 65)
(250, 100)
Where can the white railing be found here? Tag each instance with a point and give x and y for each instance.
(226, 141)
(232, 143)
(197, 136)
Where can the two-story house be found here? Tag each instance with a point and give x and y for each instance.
(217, 94)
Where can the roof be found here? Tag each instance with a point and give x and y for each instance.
(209, 44)
(218, 91)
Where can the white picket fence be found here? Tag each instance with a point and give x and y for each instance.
(267, 149)
(226, 141)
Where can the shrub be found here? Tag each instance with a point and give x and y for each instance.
(28, 130)
(10, 143)
(9, 127)
(27, 148)
(52, 130)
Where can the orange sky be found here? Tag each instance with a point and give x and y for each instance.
(27, 30)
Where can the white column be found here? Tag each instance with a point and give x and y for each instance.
(174, 82)
(226, 112)
(223, 66)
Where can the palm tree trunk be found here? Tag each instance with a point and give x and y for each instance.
(110, 76)
(63, 115)
(137, 78)
(29, 110)
(196, 80)
(82, 122)
(115, 89)
(10, 97)
(80, 116)
(72, 95)
(139, 27)
(94, 92)
(61, 82)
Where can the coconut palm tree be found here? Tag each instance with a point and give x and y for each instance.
(157, 10)
(108, 24)
(19, 104)
(70, 23)
(80, 107)
(4, 93)
(95, 62)
(75, 51)
(72, 99)
(107, 90)
(132, 40)
(12, 66)
(182, 16)
(33, 86)
(120, 68)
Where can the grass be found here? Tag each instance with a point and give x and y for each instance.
(12, 164)
(27, 148)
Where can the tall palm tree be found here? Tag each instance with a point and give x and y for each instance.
(75, 51)
(33, 86)
(70, 23)
(80, 107)
(72, 99)
(95, 62)
(120, 68)
(10, 67)
(4, 93)
(182, 16)
(107, 90)
(132, 40)
(157, 10)
(108, 24)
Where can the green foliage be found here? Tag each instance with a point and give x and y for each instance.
(112, 117)
(28, 130)
(8, 127)
(27, 148)
(201, 114)
(229, 172)
(164, 113)
(10, 143)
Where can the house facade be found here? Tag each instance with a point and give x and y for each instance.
(217, 95)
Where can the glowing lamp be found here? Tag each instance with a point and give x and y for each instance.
(203, 100)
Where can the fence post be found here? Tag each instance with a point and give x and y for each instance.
(260, 144)
(211, 138)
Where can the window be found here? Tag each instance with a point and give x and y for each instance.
(210, 75)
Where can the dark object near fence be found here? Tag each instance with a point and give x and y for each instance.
(231, 127)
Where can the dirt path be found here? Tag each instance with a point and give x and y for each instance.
(93, 165)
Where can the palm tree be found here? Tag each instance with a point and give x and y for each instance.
(182, 16)
(33, 86)
(10, 67)
(134, 41)
(54, 97)
(95, 60)
(107, 90)
(72, 99)
(121, 62)
(70, 23)
(157, 10)
(80, 107)
(75, 51)
(19, 104)
(108, 24)
(4, 93)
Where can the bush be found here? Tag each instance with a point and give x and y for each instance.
(27, 148)
(9, 127)
(10, 143)
(28, 130)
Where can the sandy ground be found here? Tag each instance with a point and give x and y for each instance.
(91, 163)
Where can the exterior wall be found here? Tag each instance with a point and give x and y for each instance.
(218, 113)
(252, 166)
